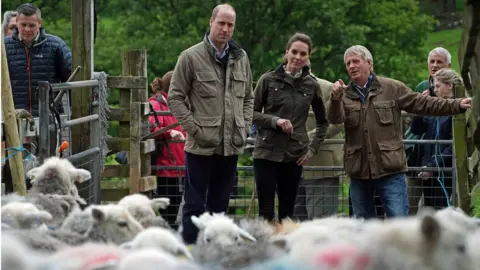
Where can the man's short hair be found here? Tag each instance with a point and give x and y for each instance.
(29, 9)
(440, 51)
(218, 7)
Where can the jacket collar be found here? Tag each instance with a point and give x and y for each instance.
(234, 50)
(280, 74)
(41, 37)
(374, 89)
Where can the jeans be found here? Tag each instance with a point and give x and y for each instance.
(391, 189)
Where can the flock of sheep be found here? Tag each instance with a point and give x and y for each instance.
(50, 228)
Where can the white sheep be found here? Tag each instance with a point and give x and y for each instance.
(25, 215)
(422, 242)
(473, 250)
(143, 209)
(219, 229)
(233, 256)
(110, 224)
(152, 259)
(17, 256)
(58, 176)
(457, 216)
(59, 206)
(87, 256)
(160, 238)
(113, 224)
(258, 228)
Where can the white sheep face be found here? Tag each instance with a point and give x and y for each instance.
(25, 215)
(114, 223)
(220, 230)
(58, 176)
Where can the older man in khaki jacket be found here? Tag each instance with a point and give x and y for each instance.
(319, 190)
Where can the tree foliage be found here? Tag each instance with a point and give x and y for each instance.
(394, 31)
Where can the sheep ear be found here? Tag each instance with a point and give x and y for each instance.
(160, 203)
(182, 251)
(79, 175)
(33, 172)
(80, 200)
(198, 222)
(245, 235)
(126, 245)
(430, 229)
(279, 241)
(98, 214)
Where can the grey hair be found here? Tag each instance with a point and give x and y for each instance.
(29, 9)
(360, 51)
(440, 51)
(7, 16)
(448, 76)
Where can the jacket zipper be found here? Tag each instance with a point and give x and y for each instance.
(29, 53)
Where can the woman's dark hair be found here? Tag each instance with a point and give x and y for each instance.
(300, 37)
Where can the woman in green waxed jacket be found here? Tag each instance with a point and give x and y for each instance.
(282, 100)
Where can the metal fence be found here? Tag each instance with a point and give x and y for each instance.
(320, 196)
(90, 159)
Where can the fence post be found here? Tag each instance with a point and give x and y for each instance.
(95, 127)
(44, 120)
(82, 55)
(11, 129)
(460, 177)
(134, 63)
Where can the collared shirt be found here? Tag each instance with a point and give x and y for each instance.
(218, 54)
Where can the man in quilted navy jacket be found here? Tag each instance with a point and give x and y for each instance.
(33, 56)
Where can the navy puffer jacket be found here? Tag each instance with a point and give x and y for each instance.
(49, 59)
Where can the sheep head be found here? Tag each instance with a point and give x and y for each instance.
(220, 229)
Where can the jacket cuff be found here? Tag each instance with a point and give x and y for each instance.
(273, 124)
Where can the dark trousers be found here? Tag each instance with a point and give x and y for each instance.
(169, 187)
(282, 177)
(215, 174)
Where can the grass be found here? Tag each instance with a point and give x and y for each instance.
(448, 39)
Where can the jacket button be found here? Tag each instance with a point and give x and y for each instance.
(276, 89)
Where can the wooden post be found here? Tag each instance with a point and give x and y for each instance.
(11, 129)
(460, 152)
(134, 63)
(82, 55)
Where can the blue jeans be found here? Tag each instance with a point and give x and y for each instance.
(391, 189)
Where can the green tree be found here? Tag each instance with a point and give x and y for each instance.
(394, 31)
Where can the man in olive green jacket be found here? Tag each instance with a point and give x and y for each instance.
(319, 190)
(370, 108)
(215, 77)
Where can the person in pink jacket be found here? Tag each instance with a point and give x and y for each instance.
(168, 153)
